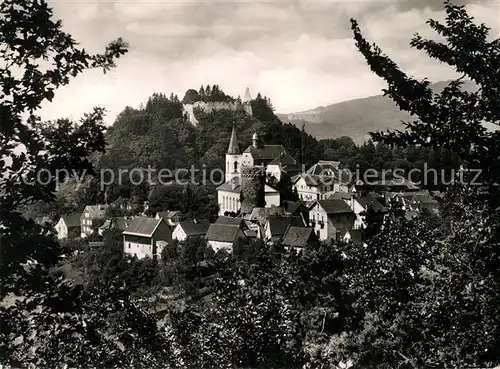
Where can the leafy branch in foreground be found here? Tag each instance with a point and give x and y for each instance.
(452, 119)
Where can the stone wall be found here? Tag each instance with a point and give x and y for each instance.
(211, 106)
(252, 188)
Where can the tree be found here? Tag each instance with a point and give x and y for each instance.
(453, 118)
(29, 37)
(423, 290)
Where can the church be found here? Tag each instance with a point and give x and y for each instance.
(245, 186)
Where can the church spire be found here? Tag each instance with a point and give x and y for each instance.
(233, 143)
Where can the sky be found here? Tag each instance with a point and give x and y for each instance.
(299, 53)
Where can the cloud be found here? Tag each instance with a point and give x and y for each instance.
(299, 53)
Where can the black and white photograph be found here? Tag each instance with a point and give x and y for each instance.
(249, 184)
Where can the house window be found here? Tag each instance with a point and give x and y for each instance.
(129, 245)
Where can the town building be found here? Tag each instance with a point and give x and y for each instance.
(245, 186)
(283, 164)
(171, 217)
(92, 218)
(352, 236)
(276, 226)
(224, 236)
(323, 178)
(329, 217)
(145, 237)
(118, 223)
(299, 238)
(190, 228)
(360, 204)
(68, 226)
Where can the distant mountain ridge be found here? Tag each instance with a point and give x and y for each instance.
(357, 118)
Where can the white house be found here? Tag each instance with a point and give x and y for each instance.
(360, 203)
(68, 226)
(223, 236)
(276, 226)
(283, 164)
(330, 217)
(91, 214)
(143, 235)
(190, 228)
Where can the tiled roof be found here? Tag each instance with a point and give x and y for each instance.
(284, 159)
(228, 187)
(250, 233)
(325, 168)
(369, 201)
(340, 195)
(199, 228)
(335, 206)
(266, 152)
(119, 223)
(298, 236)
(143, 226)
(229, 221)
(313, 180)
(261, 215)
(95, 211)
(72, 220)
(279, 224)
(356, 235)
(292, 207)
(223, 232)
(168, 214)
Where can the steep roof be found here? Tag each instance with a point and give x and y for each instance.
(191, 228)
(229, 221)
(119, 223)
(324, 168)
(335, 206)
(279, 224)
(229, 188)
(223, 232)
(369, 201)
(168, 214)
(72, 220)
(355, 235)
(233, 148)
(261, 215)
(298, 236)
(266, 152)
(142, 226)
(284, 159)
(95, 211)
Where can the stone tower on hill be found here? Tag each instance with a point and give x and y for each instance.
(247, 102)
(248, 97)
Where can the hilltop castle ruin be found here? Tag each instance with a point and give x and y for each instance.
(244, 104)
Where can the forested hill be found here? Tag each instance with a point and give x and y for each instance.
(357, 118)
(159, 135)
